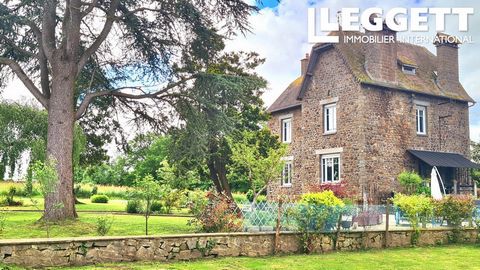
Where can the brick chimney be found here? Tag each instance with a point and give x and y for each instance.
(381, 58)
(447, 60)
(304, 64)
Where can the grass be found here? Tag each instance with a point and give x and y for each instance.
(25, 225)
(113, 205)
(445, 257)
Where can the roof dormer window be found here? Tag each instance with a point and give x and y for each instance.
(408, 69)
(408, 66)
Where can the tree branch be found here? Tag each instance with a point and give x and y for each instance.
(48, 28)
(43, 63)
(18, 48)
(116, 93)
(101, 37)
(90, 8)
(25, 80)
(44, 78)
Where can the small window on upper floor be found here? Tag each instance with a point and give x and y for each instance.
(330, 118)
(407, 69)
(286, 130)
(421, 119)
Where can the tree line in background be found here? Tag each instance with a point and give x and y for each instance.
(252, 156)
(161, 62)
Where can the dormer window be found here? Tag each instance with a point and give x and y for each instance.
(407, 65)
(408, 69)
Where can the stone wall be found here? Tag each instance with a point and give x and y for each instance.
(275, 188)
(390, 115)
(84, 251)
(331, 80)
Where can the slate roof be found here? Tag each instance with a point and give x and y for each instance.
(423, 82)
(443, 159)
(288, 98)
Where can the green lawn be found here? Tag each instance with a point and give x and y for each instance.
(113, 205)
(24, 225)
(446, 257)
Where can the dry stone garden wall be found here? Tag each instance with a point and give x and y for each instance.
(84, 251)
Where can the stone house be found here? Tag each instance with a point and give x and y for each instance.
(360, 114)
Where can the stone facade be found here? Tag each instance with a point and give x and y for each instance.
(84, 251)
(376, 124)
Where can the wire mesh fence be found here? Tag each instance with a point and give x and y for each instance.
(264, 216)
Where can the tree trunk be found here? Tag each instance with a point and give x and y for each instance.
(222, 177)
(61, 119)
(213, 176)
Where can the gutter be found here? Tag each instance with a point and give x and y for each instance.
(392, 86)
(285, 108)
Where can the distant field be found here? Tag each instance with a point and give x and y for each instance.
(112, 191)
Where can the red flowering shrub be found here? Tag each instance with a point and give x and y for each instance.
(339, 189)
(220, 214)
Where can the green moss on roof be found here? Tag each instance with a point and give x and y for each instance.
(421, 57)
(407, 61)
(353, 54)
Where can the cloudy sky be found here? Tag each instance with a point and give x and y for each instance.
(279, 34)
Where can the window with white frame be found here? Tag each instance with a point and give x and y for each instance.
(407, 69)
(286, 130)
(421, 116)
(287, 174)
(330, 118)
(330, 165)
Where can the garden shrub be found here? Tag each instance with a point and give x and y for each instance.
(94, 190)
(240, 198)
(339, 189)
(324, 198)
(104, 224)
(156, 207)
(80, 192)
(455, 209)
(171, 198)
(197, 201)
(220, 214)
(316, 212)
(9, 199)
(261, 199)
(417, 209)
(250, 195)
(99, 198)
(134, 207)
(410, 181)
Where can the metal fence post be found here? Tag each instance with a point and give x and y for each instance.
(278, 225)
(387, 223)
